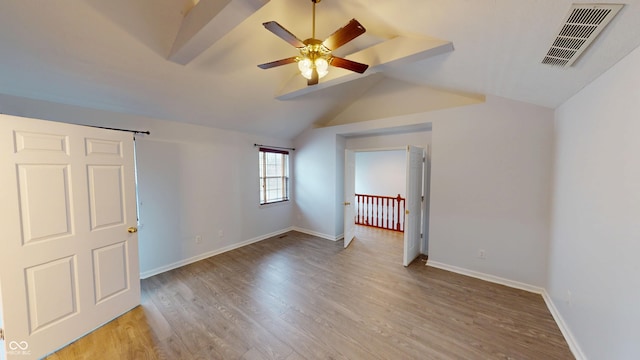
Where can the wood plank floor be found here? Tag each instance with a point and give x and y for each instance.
(301, 297)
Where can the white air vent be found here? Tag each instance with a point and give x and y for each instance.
(583, 24)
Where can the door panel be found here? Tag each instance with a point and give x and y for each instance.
(349, 196)
(106, 196)
(44, 202)
(103, 147)
(53, 143)
(47, 308)
(68, 264)
(111, 271)
(413, 213)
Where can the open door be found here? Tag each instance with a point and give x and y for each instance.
(2, 344)
(413, 207)
(426, 202)
(69, 259)
(349, 196)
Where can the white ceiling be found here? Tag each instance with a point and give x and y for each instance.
(113, 55)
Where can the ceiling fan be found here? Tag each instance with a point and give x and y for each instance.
(315, 55)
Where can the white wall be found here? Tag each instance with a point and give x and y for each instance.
(418, 137)
(382, 173)
(490, 183)
(192, 180)
(595, 238)
(314, 176)
(201, 181)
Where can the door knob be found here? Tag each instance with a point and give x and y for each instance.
(132, 229)
(406, 212)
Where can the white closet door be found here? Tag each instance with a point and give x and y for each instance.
(68, 262)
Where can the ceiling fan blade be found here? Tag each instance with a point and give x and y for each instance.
(348, 64)
(343, 35)
(314, 77)
(283, 33)
(280, 62)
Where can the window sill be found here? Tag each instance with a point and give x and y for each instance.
(272, 204)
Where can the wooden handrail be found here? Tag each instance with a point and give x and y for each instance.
(385, 212)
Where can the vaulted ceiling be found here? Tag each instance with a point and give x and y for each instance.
(195, 61)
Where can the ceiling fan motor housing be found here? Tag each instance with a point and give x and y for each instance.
(315, 50)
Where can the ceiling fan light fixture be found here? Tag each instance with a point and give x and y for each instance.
(322, 65)
(315, 55)
(306, 65)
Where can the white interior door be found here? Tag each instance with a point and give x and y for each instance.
(349, 196)
(413, 205)
(426, 193)
(2, 343)
(68, 263)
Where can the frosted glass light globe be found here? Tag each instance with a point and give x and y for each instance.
(306, 67)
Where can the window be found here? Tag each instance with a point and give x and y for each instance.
(274, 176)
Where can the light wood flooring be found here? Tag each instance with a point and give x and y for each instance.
(297, 296)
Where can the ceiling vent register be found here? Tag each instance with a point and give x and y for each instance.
(583, 24)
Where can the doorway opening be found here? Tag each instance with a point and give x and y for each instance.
(385, 174)
(380, 186)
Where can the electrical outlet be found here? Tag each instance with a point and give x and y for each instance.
(220, 233)
(482, 254)
(198, 239)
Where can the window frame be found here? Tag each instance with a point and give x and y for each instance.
(263, 178)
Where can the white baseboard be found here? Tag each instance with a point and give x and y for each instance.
(208, 254)
(568, 336)
(566, 332)
(315, 233)
(486, 277)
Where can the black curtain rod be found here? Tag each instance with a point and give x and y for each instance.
(126, 130)
(275, 147)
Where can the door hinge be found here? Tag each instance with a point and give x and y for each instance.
(1, 334)
(420, 236)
